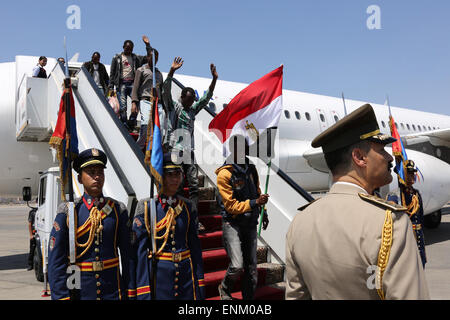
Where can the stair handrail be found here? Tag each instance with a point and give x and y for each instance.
(279, 172)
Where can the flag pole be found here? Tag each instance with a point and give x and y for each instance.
(343, 101)
(269, 154)
(74, 293)
(391, 125)
(265, 192)
(389, 105)
(152, 189)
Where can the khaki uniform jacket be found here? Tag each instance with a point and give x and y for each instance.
(333, 245)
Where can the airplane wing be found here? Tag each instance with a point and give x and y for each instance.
(316, 159)
(437, 138)
(435, 143)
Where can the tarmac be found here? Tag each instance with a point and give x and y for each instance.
(16, 283)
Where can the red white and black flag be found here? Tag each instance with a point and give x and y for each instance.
(253, 110)
(63, 140)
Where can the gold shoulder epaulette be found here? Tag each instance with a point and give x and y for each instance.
(381, 202)
(384, 252)
(306, 205)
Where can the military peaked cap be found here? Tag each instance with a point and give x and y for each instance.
(89, 157)
(410, 166)
(358, 126)
(170, 162)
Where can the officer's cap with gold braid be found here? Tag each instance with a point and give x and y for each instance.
(359, 125)
(410, 166)
(89, 157)
(169, 163)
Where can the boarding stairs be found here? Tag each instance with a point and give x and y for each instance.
(127, 178)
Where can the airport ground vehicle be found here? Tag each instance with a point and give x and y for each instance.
(48, 201)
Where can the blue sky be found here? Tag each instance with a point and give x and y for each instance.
(325, 45)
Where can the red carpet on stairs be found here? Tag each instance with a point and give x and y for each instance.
(262, 293)
(210, 240)
(213, 279)
(215, 259)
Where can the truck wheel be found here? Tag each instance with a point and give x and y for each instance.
(37, 264)
(432, 220)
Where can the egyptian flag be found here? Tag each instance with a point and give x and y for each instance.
(256, 108)
(61, 139)
(154, 151)
(399, 152)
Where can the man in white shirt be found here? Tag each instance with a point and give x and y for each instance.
(39, 71)
(123, 68)
(98, 72)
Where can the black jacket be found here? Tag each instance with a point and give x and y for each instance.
(104, 78)
(244, 183)
(116, 66)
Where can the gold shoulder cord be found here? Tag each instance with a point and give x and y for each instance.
(95, 219)
(385, 250)
(166, 223)
(413, 206)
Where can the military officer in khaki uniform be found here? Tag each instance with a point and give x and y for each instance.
(351, 244)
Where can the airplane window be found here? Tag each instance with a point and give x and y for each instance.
(407, 126)
(336, 118)
(419, 128)
(308, 117)
(322, 118)
(429, 128)
(383, 124)
(414, 127)
(402, 125)
(286, 114)
(297, 115)
(424, 128)
(396, 125)
(212, 106)
(434, 128)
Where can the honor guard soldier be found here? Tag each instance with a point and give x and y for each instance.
(176, 260)
(350, 244)
(409, 197)
(101, 229)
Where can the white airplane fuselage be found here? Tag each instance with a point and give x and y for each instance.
(303, 118)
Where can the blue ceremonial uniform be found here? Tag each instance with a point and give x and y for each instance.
(408, 193)
(99, 264)
(179, 264)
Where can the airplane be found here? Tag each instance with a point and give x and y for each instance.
(426, 136)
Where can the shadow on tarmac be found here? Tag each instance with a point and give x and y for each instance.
(17, 261)
(440, 234)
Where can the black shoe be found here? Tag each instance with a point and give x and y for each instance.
(30, 268)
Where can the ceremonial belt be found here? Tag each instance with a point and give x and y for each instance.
(98, 265)
(174, 257)
(417, 226)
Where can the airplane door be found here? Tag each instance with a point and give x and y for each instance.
(323, 121)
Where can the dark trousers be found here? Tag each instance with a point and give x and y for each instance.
(142, 140)
(191, 173)
(31, 253)
(240, 243)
